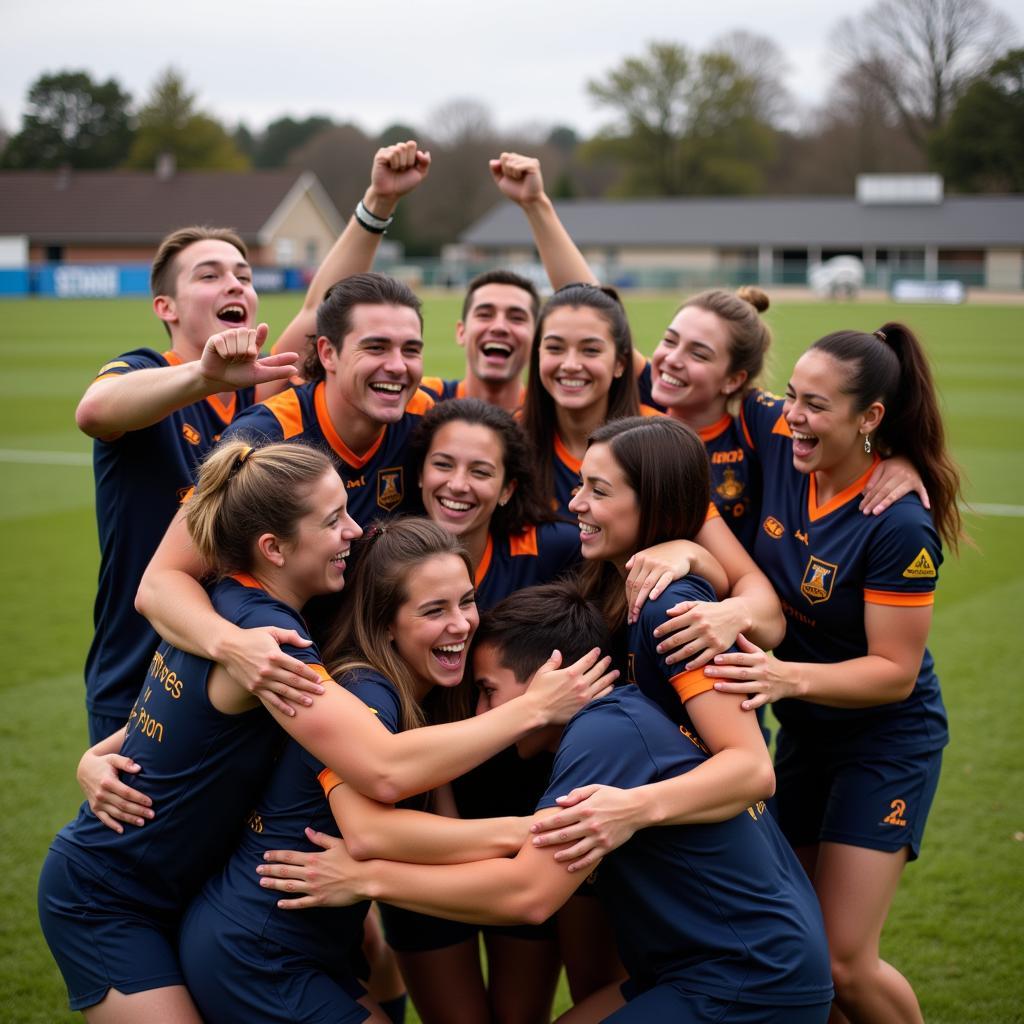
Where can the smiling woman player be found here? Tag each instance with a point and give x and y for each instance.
(272, 522)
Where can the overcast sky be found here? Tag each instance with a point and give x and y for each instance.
(374, 64)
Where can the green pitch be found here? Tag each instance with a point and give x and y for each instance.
(957, 918)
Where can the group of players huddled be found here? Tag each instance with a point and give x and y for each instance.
(493, 657)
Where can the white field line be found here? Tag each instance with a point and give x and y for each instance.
(43, 458)
(36, 457)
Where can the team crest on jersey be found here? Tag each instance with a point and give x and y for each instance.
(922, 567)
(730, 488)
(390, 487)
(773, 527)
(190, 433)
(819, 577)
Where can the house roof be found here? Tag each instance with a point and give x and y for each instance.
(958, 222)
(139, 208)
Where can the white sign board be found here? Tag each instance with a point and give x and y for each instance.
(907, 290)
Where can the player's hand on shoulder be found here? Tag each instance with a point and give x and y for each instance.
(590, 823)
(398, 169)
(518, 177)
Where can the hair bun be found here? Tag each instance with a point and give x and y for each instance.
(752, 294)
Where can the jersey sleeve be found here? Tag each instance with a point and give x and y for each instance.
(257, 423)
(139, 359)
(601, 745)
(903, 557)
(687, 684)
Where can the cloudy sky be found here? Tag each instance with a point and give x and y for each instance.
(378, 63)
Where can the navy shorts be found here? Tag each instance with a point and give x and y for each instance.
(235, 975)
(839, 796)
(670, 1001)
(411, 932)
(100, 943)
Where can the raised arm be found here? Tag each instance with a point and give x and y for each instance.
(117, 403)
(395, 172)
(519, 178)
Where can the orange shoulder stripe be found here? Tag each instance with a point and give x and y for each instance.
(712, 512)
(899, 600)
(690, 684)
(287, 411)
(420, 403)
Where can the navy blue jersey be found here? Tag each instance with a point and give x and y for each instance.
(826, 562)
(441, 390)
(380, 482)
(202, 768)
(296, 797)
(539, 554)
(141, 477)
(735, 478)
(669, 686)
(723, 907)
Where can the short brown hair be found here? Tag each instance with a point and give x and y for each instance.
(500, 276)
(163, 271)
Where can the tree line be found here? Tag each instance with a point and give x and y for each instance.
(918, 85)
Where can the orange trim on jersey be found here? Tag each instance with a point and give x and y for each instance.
(782, 427)
(649, 410)
(746, 429)
(712, 512)
(567, 456)
(187, 496)
(247, 581)
(524, 543)
(899, 600)
(817, 512)
(420, 403)
(172, 357)
(691, 684)
(716, 429)
(460, 388)
(288, 413)
(434, 383)
(328, 780)
(225, 410)
(485, 562)
(333, 438)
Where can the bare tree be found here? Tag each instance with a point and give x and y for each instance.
(762, 61)
(923, 54)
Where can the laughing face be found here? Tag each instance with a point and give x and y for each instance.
(577, 359)
(691, 367)
(828, 432)
(497, 332)
(433, 627)
(606, 508)
(315, 557)
(463, 478)
(213, 292)
(379, 364)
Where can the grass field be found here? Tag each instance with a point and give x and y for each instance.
(956, 927)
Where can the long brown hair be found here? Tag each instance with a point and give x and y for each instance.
(890, 366)
(540, 422)
(384, 559)
(245, 491)
(666, 465)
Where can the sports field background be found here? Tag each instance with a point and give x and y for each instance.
(956, 927)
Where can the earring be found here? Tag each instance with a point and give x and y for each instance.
(503, 502)
(867, 445)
